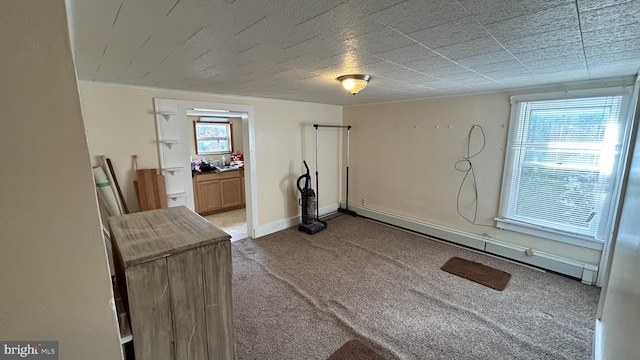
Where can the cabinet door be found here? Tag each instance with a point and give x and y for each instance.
(150, 310)
(186, 286)
(218, 299)
(231, 192)
(209, 197)
(244, 199)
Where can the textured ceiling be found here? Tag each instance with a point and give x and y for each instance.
(294, 49)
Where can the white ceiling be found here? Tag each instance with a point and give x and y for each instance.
(295, 49)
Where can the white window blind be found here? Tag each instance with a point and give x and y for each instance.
(560, 171)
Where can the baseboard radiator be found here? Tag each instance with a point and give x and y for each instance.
(587, 273)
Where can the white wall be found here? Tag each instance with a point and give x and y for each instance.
(617, 332)
(120, 123)
(53, 267)
(403, 156)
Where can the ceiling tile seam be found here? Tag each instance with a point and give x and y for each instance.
(192, 35)
(441, 55)
(293, 58)
(420, 72)
(392, 49)
(116, 17)
(495, 39)
(280, 72)
(247, 49)
(201, 55)
(173, 7)
(525, 14)
(390, 89)
(145, 42)
(363, 34)
(250, 25)
(317, 15)
(434, 51)
(298, 43)
(610, 5)
(245, 64)
(386, 8)
(164, 58)
(405, 67)
(584, 53)
(409, 84)
(304, 71)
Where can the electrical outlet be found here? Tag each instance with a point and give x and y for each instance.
(362, 202)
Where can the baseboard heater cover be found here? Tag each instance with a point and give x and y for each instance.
(587, 273)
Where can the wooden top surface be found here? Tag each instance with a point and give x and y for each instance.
(152, 234)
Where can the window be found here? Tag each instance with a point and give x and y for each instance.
(563, 160)
(213, 137)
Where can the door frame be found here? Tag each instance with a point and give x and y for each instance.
(248, 149)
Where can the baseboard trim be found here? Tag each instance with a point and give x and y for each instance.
(287, 223)
(597, 341)
(587, 273)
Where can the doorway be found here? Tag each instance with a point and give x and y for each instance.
(181, 140)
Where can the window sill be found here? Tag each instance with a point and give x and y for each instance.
(550, 234)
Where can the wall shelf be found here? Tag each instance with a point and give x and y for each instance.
(174, 196)
(172, 170)
(167, 114)
(169, 143)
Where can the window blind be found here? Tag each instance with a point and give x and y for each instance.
(561, 163)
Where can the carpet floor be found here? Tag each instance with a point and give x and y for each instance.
(300, 296)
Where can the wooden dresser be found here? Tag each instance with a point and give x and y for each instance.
(177, 271)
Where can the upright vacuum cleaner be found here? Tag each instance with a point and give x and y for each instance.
(311, 222)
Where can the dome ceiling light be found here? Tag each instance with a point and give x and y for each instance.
(354, 83)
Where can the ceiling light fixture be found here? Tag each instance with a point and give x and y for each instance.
(354, 83)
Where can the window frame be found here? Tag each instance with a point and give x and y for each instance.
(215, 121)
(609, 210)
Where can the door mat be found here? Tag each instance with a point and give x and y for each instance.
(482, 274)
(355, 350)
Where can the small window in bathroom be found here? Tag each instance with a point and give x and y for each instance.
(213, 136)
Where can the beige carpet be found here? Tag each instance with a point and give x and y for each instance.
(299, 296)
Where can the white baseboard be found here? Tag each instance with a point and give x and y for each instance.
(287, 223)
(584, 271)
(597, 341)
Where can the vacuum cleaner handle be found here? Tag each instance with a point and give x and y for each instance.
(307, 178)
(301, 188)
